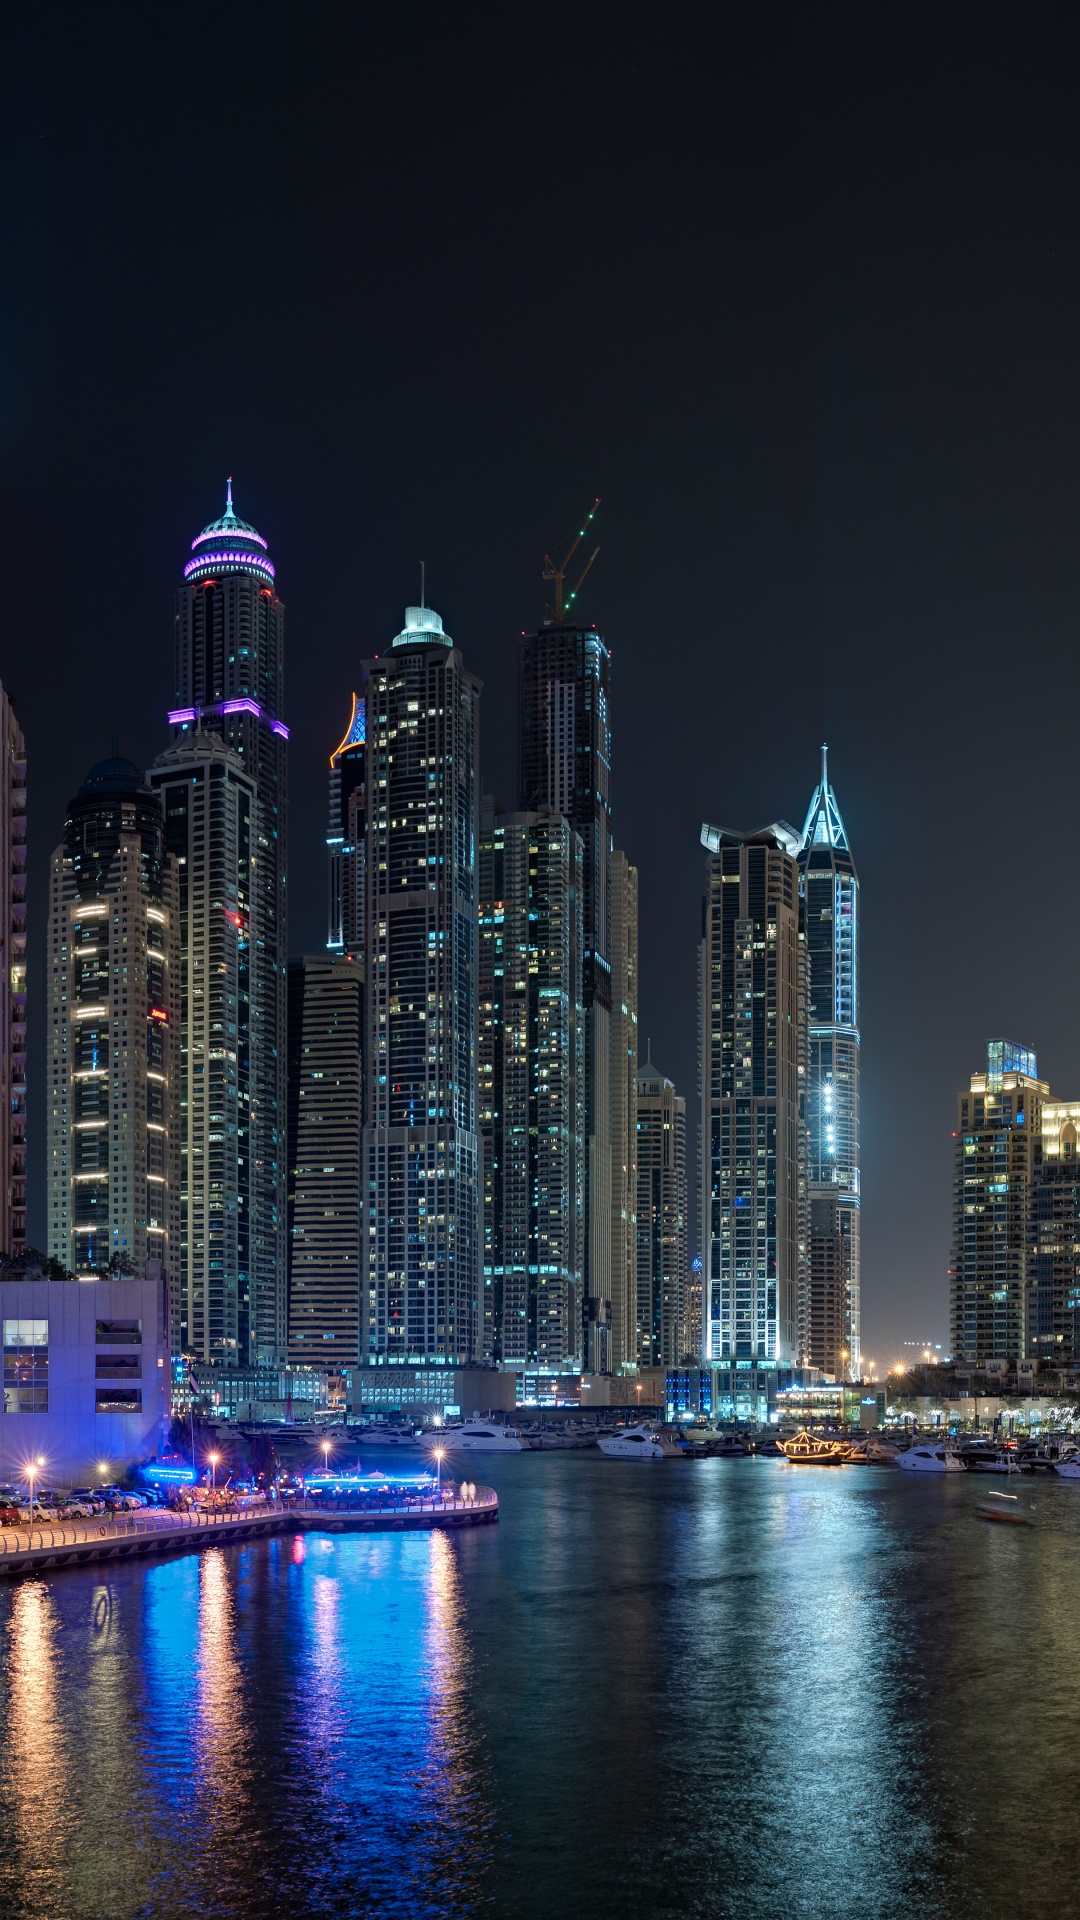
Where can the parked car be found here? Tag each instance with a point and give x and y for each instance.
(9, 1513)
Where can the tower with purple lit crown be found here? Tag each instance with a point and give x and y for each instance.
(229, 679)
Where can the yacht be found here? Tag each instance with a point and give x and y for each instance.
(1069, 1469)
(483, 1436)
(930, 1458)
(638, 1443)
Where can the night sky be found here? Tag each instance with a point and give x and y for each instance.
(794, 289)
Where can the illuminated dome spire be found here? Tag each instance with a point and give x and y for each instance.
(823, 825)
(228, 545)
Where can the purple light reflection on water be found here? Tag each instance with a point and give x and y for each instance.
(246, 1732)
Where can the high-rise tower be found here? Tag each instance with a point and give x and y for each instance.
(326, 1203)
(422, 1266)
(829, 1333)
(13, 999)
(624, 1071)
(564, 695)
(753, 1132)
(1053, 1267)
(345, 838)
(113, 963)
(999, 1138)
(210, 808)
(531, 1027)
(230, 633)
(661, 1220)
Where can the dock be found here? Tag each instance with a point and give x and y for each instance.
(135, 1535)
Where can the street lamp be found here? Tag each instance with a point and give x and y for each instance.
(326, 1452)
(31, 1471)
(213, 1459)
(438, 1467)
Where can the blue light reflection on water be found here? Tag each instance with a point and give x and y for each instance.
(720, 1689)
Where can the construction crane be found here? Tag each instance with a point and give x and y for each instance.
(563, 600)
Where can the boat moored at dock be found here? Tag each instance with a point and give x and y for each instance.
(930, 1457)
(638, 1443)
(812, 1450)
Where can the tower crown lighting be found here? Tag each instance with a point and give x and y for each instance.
(228, 545)
(423, 628)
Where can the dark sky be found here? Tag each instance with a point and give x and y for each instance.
(794, 289)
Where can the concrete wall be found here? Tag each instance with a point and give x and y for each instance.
(73, 1437)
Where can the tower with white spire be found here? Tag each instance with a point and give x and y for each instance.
(829, 1334)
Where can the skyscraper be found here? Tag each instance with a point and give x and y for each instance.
(346, 837)
(113, 964)
(753, 1130)
(830, 1326)
(1053, 1276)
(230, 635)
(661, 1220)
(325, 1123)
(422, 1260)
(624, 1067)
(999, 1128)
(210, 809)
(531, 1086)
(564, 694)
(13, 999)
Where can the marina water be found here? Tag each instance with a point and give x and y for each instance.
(721, 1688)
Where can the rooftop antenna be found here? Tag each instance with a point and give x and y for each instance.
(423, 566)
(228, 495)
(824, 767)
(563, 600)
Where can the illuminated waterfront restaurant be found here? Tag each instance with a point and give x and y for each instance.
(86, 1377)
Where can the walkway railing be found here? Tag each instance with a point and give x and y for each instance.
(56, 1536)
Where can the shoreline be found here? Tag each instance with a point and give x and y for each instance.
(73, 1543)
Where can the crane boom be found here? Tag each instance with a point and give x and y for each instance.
(555, 571)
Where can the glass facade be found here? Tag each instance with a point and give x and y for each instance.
(753, 1069)
(564, 766)
(422, 1265)
(531, 1082)
(830, 1325)
(229, 681)
(998, 1141)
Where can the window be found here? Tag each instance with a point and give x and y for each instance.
(26, 1366)
(119, 1399)
(119, 1366)
(119, 1333)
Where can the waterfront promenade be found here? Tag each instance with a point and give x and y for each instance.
(58, 1544)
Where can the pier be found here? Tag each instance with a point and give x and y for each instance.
(61, 1544)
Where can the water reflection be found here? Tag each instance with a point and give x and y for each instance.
(35, 1763)
(221, 1723)
(719, 1690)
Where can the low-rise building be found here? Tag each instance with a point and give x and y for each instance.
(86, 1377)
(429, 1392)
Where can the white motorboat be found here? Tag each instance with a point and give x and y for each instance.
(638, 1443)
(930, 1459)
(483, 1436)
(1069, 1469)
